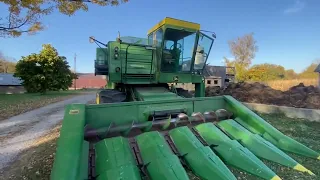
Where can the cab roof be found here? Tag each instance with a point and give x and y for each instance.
(175, 22)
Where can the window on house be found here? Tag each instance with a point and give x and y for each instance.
(215, 81)
(208, 81)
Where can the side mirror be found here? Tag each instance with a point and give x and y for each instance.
(91, 39)
(214, 35)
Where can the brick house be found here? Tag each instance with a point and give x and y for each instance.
(89, 81)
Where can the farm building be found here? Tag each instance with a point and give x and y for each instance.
(218, 75)
(89, 81)
(317, 70)
(10, 84)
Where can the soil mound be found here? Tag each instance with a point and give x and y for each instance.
(300, 96)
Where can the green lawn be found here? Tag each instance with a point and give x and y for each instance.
(308, 133)
(14, 104)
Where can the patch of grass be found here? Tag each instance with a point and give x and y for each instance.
(14, 104)
(284, 85)
(305, 132)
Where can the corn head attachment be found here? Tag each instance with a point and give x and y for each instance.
(103, 142)
(141, 128)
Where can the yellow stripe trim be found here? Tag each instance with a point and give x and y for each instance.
(276, 178)
(301, 168)
(97, 99)
(175, 22)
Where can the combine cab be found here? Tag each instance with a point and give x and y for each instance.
(141, 128)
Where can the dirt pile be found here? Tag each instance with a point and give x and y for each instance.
(297, 96)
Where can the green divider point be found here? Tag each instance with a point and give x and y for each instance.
(114, 160)
(257, 125)
(259, 146)
(160, 161)
(201, 160)
(232, 152)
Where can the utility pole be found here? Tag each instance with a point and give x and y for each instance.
(75, 71)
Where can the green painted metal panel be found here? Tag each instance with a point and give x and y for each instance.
(102, 56)
(70, 144)
(160, 161)
(134, 50)
(233, 153)
(155, 93)
(210, 104)
(199, 89)
(182, 78)
(257, 125)
(201, 160)
(114, 160)
(114, 76)
(256, 144)
(138, 68)
(84, 164)
(102, 115)
(127, 173)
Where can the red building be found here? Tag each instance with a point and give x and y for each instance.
(89, 80)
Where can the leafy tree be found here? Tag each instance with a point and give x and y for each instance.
(6, 64)
(290, 74)
(266, 72)
(44, 71)
(24, 16)
(243, 49)
(309, 73)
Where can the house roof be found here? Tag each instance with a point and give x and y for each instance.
(7, 79)
(217, 71)
(317, 69)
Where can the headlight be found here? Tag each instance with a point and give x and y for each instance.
(116, 55)
(116, 49)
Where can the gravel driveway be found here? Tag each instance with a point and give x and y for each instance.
(19, 132)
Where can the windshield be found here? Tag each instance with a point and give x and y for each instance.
(202, 51)
(178, 50)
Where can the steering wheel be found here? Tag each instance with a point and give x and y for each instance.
(179, 46)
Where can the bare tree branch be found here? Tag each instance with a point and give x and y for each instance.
(27, 14)
(15, 27)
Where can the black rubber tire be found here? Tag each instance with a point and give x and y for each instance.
(111, 96)
(184, 93)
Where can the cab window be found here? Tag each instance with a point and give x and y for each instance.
(150, 39)
(157, 38)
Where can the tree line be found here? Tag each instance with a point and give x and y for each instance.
(244, 50)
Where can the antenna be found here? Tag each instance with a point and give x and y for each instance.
(75, 71)
(118, 39)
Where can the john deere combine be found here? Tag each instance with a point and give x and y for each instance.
(143, 128)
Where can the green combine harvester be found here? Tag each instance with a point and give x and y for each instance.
(142, 127)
